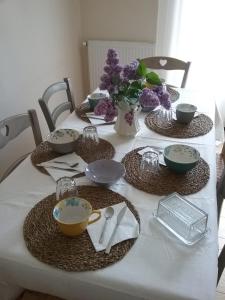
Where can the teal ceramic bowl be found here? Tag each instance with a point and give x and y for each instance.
(181, 158)
(94, 99)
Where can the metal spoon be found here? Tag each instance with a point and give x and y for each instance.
(109, 212)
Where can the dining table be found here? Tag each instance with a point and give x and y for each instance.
(158, 266)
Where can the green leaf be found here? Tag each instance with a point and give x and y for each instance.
(142, 69)
(153, 78)
(136, 85)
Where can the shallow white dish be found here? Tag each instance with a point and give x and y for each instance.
(63, 140)
(104, 171)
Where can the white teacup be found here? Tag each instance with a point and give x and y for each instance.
(185, 112)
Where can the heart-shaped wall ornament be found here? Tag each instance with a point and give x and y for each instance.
(163, 62)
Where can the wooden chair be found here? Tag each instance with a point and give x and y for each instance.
(168, 63)
(51, 117)
(12, 127)
(221, 263)
(220, 187)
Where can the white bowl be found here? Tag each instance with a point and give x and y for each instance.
(104, 171)
(63, 140)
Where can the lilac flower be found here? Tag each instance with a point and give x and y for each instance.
(130, 71)
(129, 116)
(111, 113)
(112, 78)
(102, 107)
(126, 86)
(165, 100)
(149, 98)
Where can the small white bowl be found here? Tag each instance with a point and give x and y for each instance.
(63, 140)
(104, 171)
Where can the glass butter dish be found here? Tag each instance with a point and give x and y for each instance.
(185, 220)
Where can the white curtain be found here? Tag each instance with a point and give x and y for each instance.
(194, 30)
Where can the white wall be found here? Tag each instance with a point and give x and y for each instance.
(118, 20)
(39, 44)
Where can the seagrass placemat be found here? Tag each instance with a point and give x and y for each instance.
(88, 152)
(200, 125)
(163, 181)
(49, 245)
(82, 110)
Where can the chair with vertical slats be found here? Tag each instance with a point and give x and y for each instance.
(13, 126)
(52, 116)
(168, 63)
(220, 188)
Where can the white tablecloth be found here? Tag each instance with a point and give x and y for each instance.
(158, 266)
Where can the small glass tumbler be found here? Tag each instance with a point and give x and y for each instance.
(149, 163)
(65, 187)
(90, 135)
(164, 117)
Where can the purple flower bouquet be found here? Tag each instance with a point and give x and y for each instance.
(129, 87)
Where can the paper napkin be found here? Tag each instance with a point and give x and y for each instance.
(161, 157)
(128, 228)
(66, 162)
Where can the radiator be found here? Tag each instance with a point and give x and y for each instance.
(128, 51)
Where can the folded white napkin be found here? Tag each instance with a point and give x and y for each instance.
(66, 162)
(148, 148)
(128, 228)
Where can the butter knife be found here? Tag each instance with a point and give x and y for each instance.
(62, 169)
(118, 221)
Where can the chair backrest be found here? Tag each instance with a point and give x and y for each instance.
(221, 263)
(168, 63)
(51, 117)
(16, 124)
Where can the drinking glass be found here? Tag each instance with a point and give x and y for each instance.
(149, 162)
(65, 187)
(164, 117)
(90, 135)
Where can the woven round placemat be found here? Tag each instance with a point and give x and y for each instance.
(49, 245)
(44, 152)
(164, 181)
(82, 110)
(200, 125)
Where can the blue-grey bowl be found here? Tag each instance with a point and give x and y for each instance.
(104, 171)
(181, 158)
(94, 99)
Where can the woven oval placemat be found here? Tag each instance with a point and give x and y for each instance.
(165, 181)
(49, 245)
(44, 152)
(200, 125)
(82, 110)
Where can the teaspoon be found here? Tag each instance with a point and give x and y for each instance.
(109, 212)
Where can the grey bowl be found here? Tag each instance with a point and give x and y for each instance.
(94, 99)
(181, 158)
(63, 140)
(104, 171)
